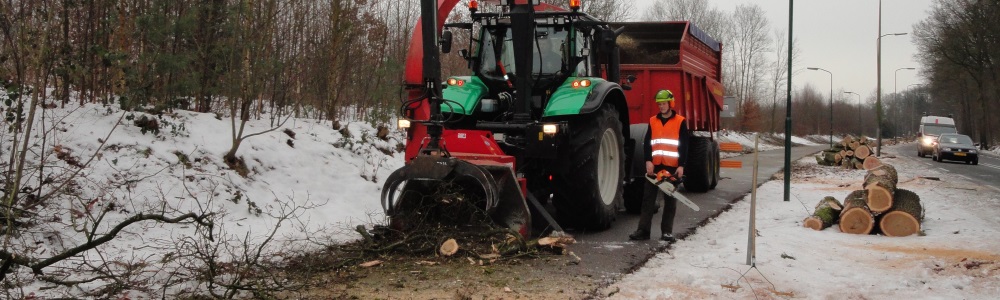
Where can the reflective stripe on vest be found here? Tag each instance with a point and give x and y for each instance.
(665, 140)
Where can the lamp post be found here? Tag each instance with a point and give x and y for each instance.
(878, 84)
(895, 96)
(862, 131)
(831, 100)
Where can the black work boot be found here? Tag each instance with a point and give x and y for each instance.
(639, 235)
(669, 238)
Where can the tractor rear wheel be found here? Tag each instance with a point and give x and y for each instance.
(714, 158)
(698, 170)
(588, 181)
(633, 195)
(635, 188)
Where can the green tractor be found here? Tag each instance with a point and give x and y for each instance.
(541, 117)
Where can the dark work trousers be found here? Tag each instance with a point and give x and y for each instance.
(649, 195)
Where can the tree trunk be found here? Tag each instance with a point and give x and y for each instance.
(905, 216)
(856, 218)
(826, 214)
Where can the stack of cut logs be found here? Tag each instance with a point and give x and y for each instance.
(850, 153)
(896, 212)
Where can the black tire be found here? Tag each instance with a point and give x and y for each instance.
(633, 195)
(698, 170)
(634, 190)
(588, 185)
(715, 165)
(975, 162)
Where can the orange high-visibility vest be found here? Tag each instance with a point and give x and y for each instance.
(665, 140)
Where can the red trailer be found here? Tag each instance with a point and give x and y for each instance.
(683, 59)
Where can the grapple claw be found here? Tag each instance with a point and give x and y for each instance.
(434, 187)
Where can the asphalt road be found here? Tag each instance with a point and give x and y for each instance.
(609, 254)
(987, 173)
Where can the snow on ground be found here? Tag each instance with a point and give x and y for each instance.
(334, 179)
(766, 142)
(957, 255)
(326, 180)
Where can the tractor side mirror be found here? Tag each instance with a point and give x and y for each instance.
(627, 85)
(445, 41)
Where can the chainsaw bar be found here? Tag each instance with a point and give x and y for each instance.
(671, 190)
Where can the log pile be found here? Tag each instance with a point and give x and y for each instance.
(881, 207)
(850, 153)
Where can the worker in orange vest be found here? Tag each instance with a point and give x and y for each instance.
(665, 145)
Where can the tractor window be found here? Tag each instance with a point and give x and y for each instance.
(548, 54)
(549, 51)
(583, 67)
(488, 63)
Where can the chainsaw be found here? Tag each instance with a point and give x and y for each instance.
(667, 183)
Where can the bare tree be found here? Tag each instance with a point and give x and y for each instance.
(779, 73)
(960, 38)
(710, 19)
(607, 10)
(749, 41)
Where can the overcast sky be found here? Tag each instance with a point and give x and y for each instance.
(840, 36)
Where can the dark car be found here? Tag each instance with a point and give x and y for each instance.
(952, 146)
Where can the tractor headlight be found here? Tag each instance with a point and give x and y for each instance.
(550, 128)
(403, 123)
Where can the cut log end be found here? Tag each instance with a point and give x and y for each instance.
(897, 223)
(879, 199)
(871, 162)
(449, 247)
(857, 221)
(813, 222)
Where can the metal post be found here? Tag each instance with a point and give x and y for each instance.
(878, 86)
(752, 238)
(788, 110)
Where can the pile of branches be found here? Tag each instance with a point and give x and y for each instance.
(449, 221)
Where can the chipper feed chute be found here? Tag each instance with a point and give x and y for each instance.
(447, 191)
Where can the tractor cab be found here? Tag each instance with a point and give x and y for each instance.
(551, 56)
(559, 50)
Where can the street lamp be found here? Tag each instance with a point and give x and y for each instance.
(831, 101)
(859, 111)
(878, 85)
(895, 96)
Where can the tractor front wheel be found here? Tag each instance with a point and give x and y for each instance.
(588, 183)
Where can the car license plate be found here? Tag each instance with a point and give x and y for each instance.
(959, 154)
